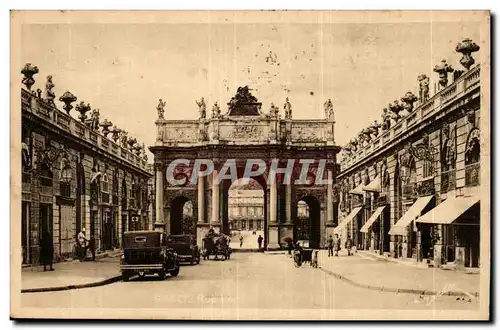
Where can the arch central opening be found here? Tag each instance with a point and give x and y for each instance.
(245, 212)
(307, 222)
(183, 215)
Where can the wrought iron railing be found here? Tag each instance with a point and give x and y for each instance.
(472, 175)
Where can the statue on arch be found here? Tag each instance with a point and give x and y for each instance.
(288, 109)
(161, 109)
(328, 109)
(216, 111)
(202, 108)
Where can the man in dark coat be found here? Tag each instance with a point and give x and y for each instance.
(337, 245)
(330, 246)
(46, 251)
(259, 241)
(348, 245)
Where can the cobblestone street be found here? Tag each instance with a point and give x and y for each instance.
(246, 281)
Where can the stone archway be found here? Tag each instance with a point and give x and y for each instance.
(308, 228)
(182, 215)
(241, 134)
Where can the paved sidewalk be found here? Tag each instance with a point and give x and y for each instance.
(386, 276)
(69, 275)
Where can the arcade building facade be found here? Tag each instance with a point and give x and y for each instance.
(411, 186)
(244, 132)
(76, 173)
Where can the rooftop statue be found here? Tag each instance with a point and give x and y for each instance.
(328, 109)
(274, 112)
(161, 109)
(288, 109)
(216, 111)
(423, 87)
(243, 96)
(49, 94)
(202, 108)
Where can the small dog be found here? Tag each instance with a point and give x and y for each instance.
(314, 261)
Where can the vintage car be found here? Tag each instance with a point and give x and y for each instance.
(186, 248)
(146, 252)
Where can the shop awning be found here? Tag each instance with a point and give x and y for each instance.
(347, 219)
(449, 210)
(358, 190)
(372, 219)
(374, 185)
(413, 212)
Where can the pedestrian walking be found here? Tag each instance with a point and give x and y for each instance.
(241, 241)
(82, 242)
(330, 246)
(337, 245)
(92, 246)
(348, 245)
(46, 251)
(259, 241)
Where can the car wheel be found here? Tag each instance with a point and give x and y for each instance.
(125, 277)
(162, 274)
(193, 261)
(198, 260)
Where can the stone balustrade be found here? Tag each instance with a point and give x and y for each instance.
(434, 105)
(31, 103)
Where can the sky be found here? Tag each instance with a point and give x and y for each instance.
(123, 69)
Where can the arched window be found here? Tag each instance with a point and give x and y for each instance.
(472, 159)
(472, 152)
(105, 183)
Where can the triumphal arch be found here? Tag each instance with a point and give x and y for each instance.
(293, 160)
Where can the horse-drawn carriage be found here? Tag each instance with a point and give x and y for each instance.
(216, 245)
(302, 255)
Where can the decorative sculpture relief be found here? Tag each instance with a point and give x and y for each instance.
(375, 128)
(328, 109)
(202, 108)
(216, 111)
(274, 111)
(386, 120)
(49, 94)
(243, 96)
(408, 101)
(123, 138)
(288, 109)
(116, 133)
(467, 47)
(161, 108)
(443, 69)
(423, 91)
(93, 123)
(105, 124)
(395, 108)
(83, 109)
(67, 98)
(29, 71)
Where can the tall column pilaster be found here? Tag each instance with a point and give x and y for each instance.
(159, 224)
(215, 199)
(201, 198)
(273, 242)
